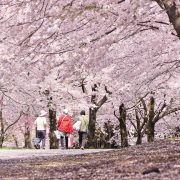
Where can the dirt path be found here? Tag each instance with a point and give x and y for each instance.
(154, 161)
(33, 153)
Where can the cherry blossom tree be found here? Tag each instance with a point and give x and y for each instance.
(65, 47)
(147, 113)
(5, 124)
(122, 124)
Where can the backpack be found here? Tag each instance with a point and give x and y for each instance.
(66, 125)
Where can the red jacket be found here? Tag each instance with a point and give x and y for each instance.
(65, 124)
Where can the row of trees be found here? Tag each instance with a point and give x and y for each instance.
(89, 54)
(143, 116)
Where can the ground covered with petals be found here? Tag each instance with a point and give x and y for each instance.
(157, 160)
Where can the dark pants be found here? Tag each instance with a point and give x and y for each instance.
(82, 138)
(63, 137)
(62, 142)
(41, 134)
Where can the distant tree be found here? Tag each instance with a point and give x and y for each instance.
(122, 125)
(109, 133)
(104, 137)
(139, 118)
(138, 125)
(5, 127)
(155, 115)
(25, 125)
(151, 114)
(27, 137)
(53, 44)
(15, 140)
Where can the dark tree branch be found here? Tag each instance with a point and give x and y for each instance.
(116, 115)
(148, 26)
(156, 118)
(119, 2)
(107, 91)
(169, 112)
(10, 125)
(173, 13)
(102, 101)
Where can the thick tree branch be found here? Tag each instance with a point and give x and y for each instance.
(119, 2)
(173, 13)
(156, 118)
(169, 112)
(102, 101)
(10, 125)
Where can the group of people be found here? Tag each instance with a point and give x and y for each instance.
(65, 129)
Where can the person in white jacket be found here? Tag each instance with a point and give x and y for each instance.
(41, 125)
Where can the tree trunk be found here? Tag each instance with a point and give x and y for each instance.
(109, 130)
(151, 124)
(1, 141)
(27, 139)
(139, 138)
(150, 132)
(173, 13)
(15, 140)
(122, 124)
(2, 130)
(92, 139)
(54, 143)
(92, 128)
(139, 133)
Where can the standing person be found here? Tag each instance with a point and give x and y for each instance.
(65, 127)
(41, 125)
(83, 129)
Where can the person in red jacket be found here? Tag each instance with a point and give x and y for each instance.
(65, 127)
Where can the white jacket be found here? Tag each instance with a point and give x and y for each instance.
(41, 123)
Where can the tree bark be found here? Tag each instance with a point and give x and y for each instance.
(27, 139)
(139, 138)
(109, 130)
(139, 129)
(173, 13)
(54, 143)
(1, 141)
(92, 140)
(151, 124)
(122, 124)
(150, 132)
(139, 133)
(92, 128)
(2, 130)
(15, 140)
